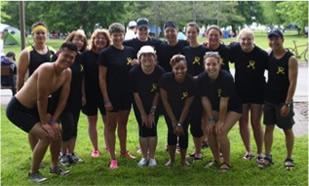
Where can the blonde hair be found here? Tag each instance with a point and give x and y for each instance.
(245, 31)
(95, 34)
(73, 34)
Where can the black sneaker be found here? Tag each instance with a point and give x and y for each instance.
(64, 160)
(60, 172)
(37, 177)
(74, 158)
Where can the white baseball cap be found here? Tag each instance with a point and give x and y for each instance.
(145, 50)
(132, 24)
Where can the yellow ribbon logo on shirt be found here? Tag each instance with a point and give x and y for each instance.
(251, 64)
(219, 92)
(197, 61)
(280, 70)
(81, 67)
(129, 60)
(154, 87)
(184, 95)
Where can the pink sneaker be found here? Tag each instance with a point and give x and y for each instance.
(113, 164)
(95, 153)
(128, 155)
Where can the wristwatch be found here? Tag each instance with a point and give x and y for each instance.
(179, 125)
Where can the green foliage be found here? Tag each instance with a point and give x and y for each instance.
(16, 157)
(270, 15)
(294, 11)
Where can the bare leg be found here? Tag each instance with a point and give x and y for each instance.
(198, 145)
(105, 131)
(92, 130)
(256, 115)
(54, 151)
(289, 142)
(152, 145)
(171, 151)
(144, 145)
(268, 138)
(122, 129)
(244, 127)
(111, 125)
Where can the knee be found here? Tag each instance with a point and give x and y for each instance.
(270, 129)
(288, 132)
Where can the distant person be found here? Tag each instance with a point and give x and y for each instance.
(280, 89)
(177, 90)
(131, 31)
(222, 106)
(250, 64)
(31, 58)
(144, 79)
(8, 60)
(28, 109)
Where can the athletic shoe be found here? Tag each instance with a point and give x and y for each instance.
(113, 164)
(74, 158)
(64, 160)
(248, 156)
(60, 172)
(142, 162)
(260, 159)
(152, 163)
(95, 153)
(37, 177)
(198, 158)
(139, 150)
(128, 155)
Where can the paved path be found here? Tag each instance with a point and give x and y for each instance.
(300, 99)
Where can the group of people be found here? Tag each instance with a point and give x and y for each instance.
(187, 82)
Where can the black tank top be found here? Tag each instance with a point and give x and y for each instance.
(278, 78)
(37, 59)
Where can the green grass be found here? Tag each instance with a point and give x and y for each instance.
(16, 156)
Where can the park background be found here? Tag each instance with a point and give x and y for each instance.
(15, 151)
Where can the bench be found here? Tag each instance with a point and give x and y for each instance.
(8, 71)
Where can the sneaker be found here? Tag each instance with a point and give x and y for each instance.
(248, 156)
(37, 177)
(60, 172)
(113, 164)
(95, 153)
(142, 163)
(128, 155)
(152, 163)
(198, 158)
(74, 158)
(64, 160)
(260, 159)
(139, 150)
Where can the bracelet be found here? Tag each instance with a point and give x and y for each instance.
(211, 120)
(287, 104)
(107, 101)
(52, 121)
(179, 124)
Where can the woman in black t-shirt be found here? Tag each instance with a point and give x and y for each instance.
(144, 80)
(222, 106)
(177, 93)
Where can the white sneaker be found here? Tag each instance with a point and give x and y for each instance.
(152, 163)
(142, 162)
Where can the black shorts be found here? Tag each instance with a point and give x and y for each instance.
(92, 106)
(21, 116)
(121, 101)
(272, 116)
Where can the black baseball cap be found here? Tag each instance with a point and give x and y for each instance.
(170, 24)
(10, 54)
(142, 22)
(275, 32)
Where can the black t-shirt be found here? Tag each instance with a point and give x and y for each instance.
(118, 63)
(223, 86)
(165, 52)
(249, 71)
(177, 92)
(146, 85)
(36, 59)
(195, 59)
(137, 44)
(278, 78)
(91, 74)
(225, 54)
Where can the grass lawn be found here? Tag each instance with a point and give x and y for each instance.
(16, 156)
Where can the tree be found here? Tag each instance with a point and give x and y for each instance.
(270, 15)
(295, 11)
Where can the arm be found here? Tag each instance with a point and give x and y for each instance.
(168, 107)
(222, 113)
(102, 81)
(22, 68)
(141, 109)
(293, 71)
